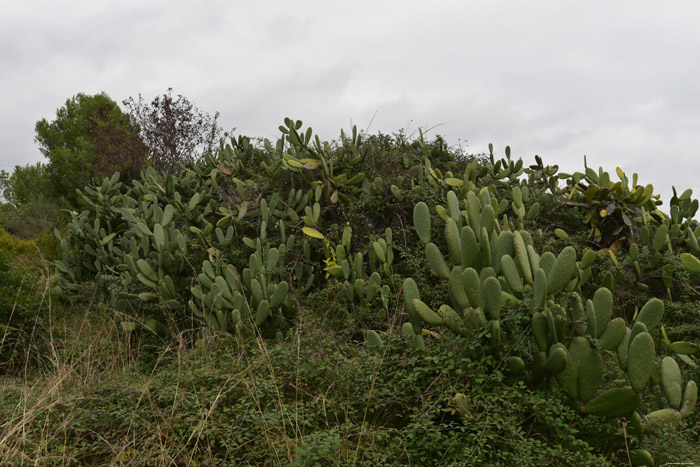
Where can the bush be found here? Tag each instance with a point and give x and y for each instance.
(21, 313)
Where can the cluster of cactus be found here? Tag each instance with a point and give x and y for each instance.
(543, 177)
(144, 244)
(605, 199)
(308, 159)
(492, 269)
(360, 284)
(230, 303)
(505, 168)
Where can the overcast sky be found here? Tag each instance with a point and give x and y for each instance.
(618, 81)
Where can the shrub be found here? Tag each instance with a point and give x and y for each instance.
(20, 314)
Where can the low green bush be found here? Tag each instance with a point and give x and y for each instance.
(22, 314)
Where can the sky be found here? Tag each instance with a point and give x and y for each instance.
(618, 82)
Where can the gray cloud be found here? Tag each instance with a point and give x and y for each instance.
(613, 80)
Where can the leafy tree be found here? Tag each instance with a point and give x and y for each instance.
(90, 137)
(26, 183)
(174, 130)
(29, 207)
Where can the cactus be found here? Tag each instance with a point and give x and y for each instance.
(590, 375)
(374, 342)
(651, 313)
(640, 360)
(671, 380)
(663, 418)
(562, 270)
(436, 261)
(421, 221)
(410, 293)
(515, 365)
(491, 293)
(602, 304)
(557, 359)
(426, 314)
(641, 457)
(615, 402)
(690, 398)
(614, 334)
(690, 262)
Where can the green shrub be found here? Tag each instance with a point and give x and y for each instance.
(14, 245)
(21, 314)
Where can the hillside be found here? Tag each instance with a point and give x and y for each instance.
(375, 300)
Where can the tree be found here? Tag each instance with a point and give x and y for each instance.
(174, 130)
(90, 137)
(25, 184)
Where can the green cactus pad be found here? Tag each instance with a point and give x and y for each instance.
(577, 314)
(540, 330)
(280, 294)
(503, 245)
(690, 262)
(615, 402)
(453, 241)
(664, 418)
(410, 293)
(538, 370)
(692, 242)
(660, 237)
(568, 378)
(468, 247)
(640, 360)
(641, 458)
(614, 334)
(491, 290)
(453, 205)
(456, 287)
(547, 261)
(373, 340)
(474, 211)
(671, 380)
(419, 343)
(603, 304)
(511, 274)
(147, 270)
(540, 288)
(426, 314)
(485, 245)
(488, 219)
(262, 313)
(515, 365)
(592, 326)
(556, 362)
(407, 332)
(534, 259)
(651, 313)
(637, 328)
(684, 348)
(521, 258)
(588, 259)
(436, 261)
(590, 375)
(690, 398)
(562, 270)
(634, 426)
(421, 221)
(475, 317)
(495, 342)
(453, 321)
(553, 336)
(472, 286)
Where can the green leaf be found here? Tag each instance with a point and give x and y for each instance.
(313, 233)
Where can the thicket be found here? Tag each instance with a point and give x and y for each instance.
(383, 299)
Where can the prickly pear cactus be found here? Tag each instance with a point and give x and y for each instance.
(492, 270)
